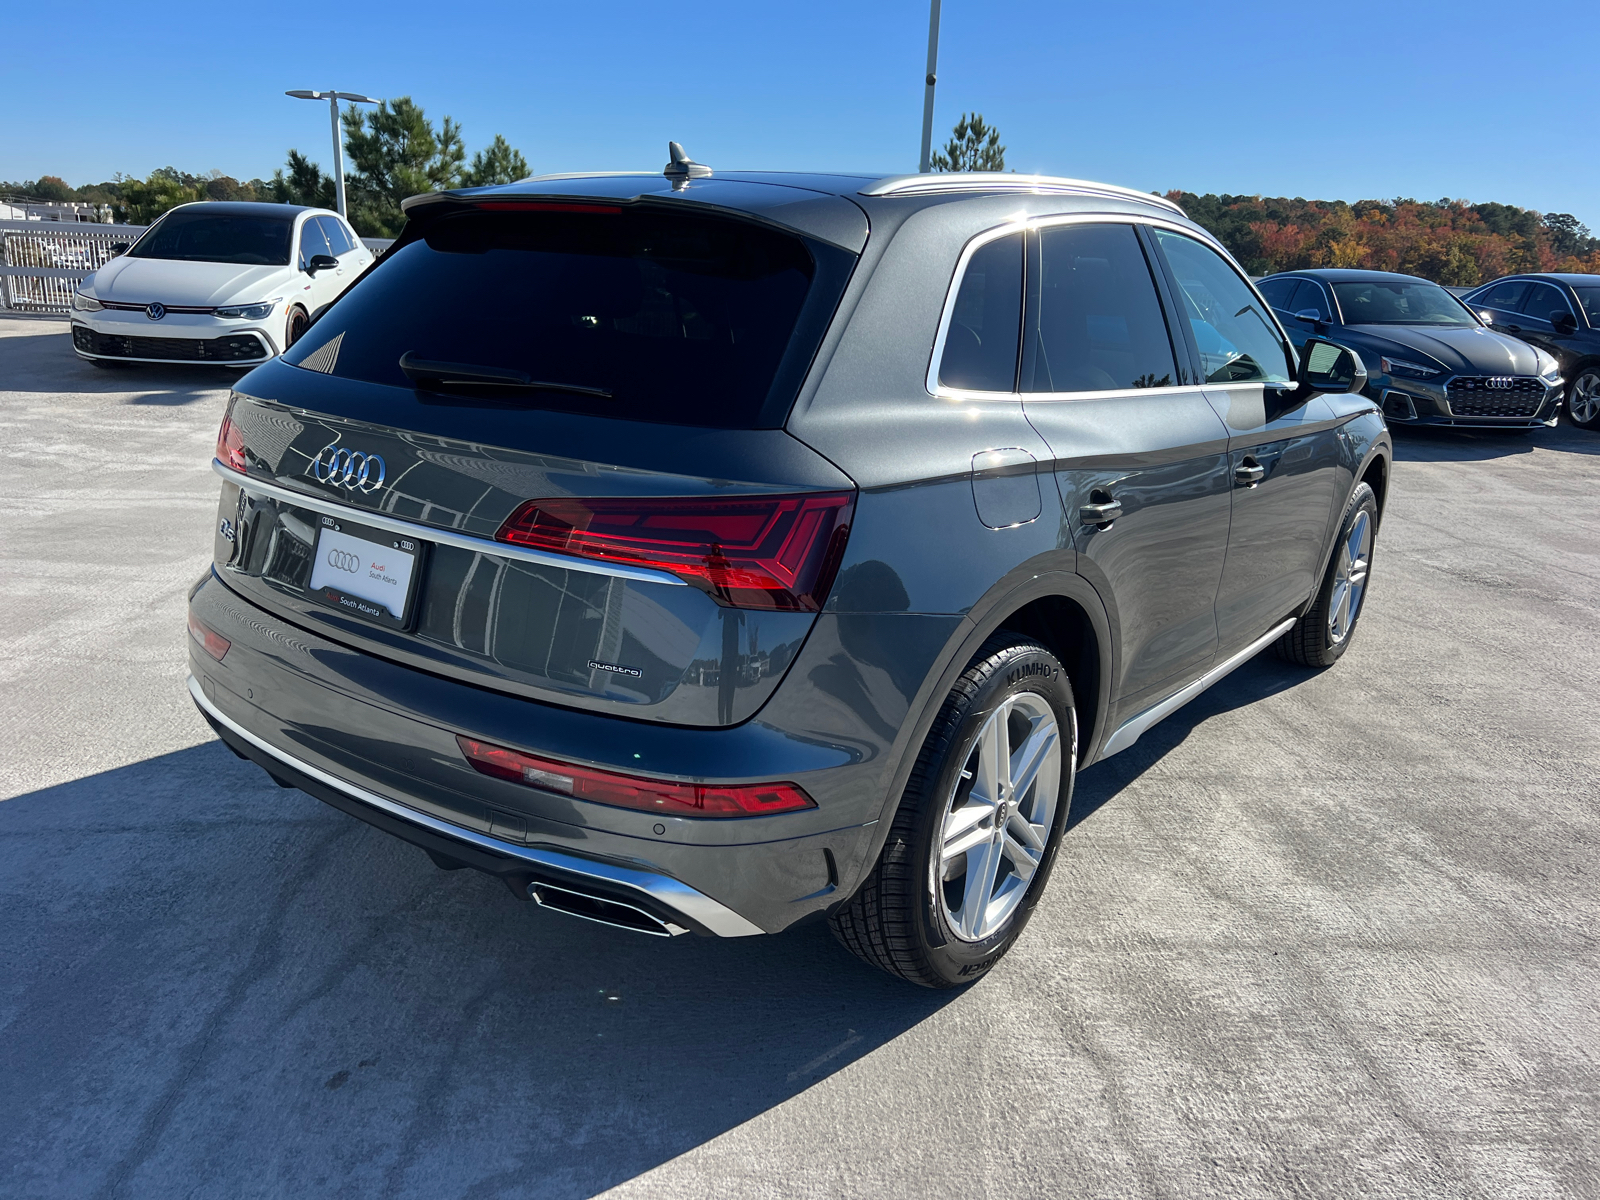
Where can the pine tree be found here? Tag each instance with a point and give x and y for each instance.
(975, 146)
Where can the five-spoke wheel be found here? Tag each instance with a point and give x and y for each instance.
(1583, 399)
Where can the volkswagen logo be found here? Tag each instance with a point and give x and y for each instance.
(343, 560)
(155, 311)
(347, 468)
(1498, 381)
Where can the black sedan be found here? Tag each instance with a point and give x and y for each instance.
(1559, 314)
(1430, 360)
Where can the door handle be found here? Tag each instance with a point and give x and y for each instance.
(1101, 513)
(1512, 328)
(1249, 473)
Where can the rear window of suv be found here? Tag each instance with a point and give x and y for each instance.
(616, 311)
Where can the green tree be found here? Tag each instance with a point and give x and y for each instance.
(498, 164)
(51, 187)
(142, 201)
(396, 152)
(974, 146)
(304, 184)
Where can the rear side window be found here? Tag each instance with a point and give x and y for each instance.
(1094, 322)
(1277, 291)
(312, 241)
(338, 240)
(1237, 339)
(1507, 297)
(1543, 301)
(632, 312)
(980, 344)
(1309, 296)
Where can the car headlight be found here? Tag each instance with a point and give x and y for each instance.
(1549, 369)
(82, 303)
(1408, 370)
(250, 312)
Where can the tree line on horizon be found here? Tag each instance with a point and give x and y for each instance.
(391, 152)
(1453, 242)
(395, 151)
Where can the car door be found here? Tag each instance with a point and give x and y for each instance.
(1139, 456)
(352, 255)
(1535, 325)
(1283, 455)
(324, 284)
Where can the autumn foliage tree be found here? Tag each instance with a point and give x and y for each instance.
(1449, 241)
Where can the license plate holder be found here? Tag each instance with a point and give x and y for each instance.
(366, 572)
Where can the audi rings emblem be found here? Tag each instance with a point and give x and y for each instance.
(347, 468)
(1498, 381)
(343, 560)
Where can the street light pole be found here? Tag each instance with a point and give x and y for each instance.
(333, 99)
(932, 78)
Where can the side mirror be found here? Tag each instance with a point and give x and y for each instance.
(1563, 321)
(321, 262)
(1329, 367)
(1486, 317)
(119, 248)
(1309, 314)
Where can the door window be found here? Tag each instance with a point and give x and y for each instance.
(338, 237)
(1543, 300)
(1312, 296)
(1237, 339)
(1277, 291)
(1507, 296)
(1094, 321)
(312, 242)
(980, 345)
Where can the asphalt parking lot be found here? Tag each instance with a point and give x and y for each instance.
(1317, 935)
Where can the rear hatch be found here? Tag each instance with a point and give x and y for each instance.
(539, 448)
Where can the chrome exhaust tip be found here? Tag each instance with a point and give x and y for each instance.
(601, 909)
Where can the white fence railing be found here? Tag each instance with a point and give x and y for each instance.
(41, 262)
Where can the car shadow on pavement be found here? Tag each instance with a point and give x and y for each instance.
(208, 978)
(1257, 679)
(1440, 444)
(44, 363)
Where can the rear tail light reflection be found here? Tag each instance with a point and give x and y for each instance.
(230, 442)
(212, 642)
(630, 791)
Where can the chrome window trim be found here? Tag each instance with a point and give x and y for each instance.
(718, 918)
(444, 537)
(1022, 225)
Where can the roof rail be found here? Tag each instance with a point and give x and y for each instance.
(997, 181)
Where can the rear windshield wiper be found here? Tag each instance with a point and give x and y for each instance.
(433, 374)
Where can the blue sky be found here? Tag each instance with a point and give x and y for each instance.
(1349, 101)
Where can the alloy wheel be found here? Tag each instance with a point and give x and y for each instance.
(999, 816)
(1583, 405)
(1350, 578)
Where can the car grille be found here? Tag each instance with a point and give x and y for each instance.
(238, 347)
(1471, 396)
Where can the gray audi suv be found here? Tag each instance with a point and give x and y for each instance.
(713, 552)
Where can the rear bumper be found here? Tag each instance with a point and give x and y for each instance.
(377, 739)
(679, 907)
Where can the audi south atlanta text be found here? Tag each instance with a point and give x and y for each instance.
(1430, 359)
(224, 283)
(761, 548)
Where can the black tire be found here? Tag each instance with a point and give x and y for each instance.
(1311, 641)
(1589, 374)
(895, 920)
(296, 327)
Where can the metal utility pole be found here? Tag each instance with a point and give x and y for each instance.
(333, 99)
(927, 95)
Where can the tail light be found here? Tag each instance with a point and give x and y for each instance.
(212, 642)
(630, 791)
(774, 552)
(230, 442)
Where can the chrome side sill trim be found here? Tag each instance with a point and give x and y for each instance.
(444, 537)
(1129, 731)
(718, 918)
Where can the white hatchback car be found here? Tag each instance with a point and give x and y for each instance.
(216, 282)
